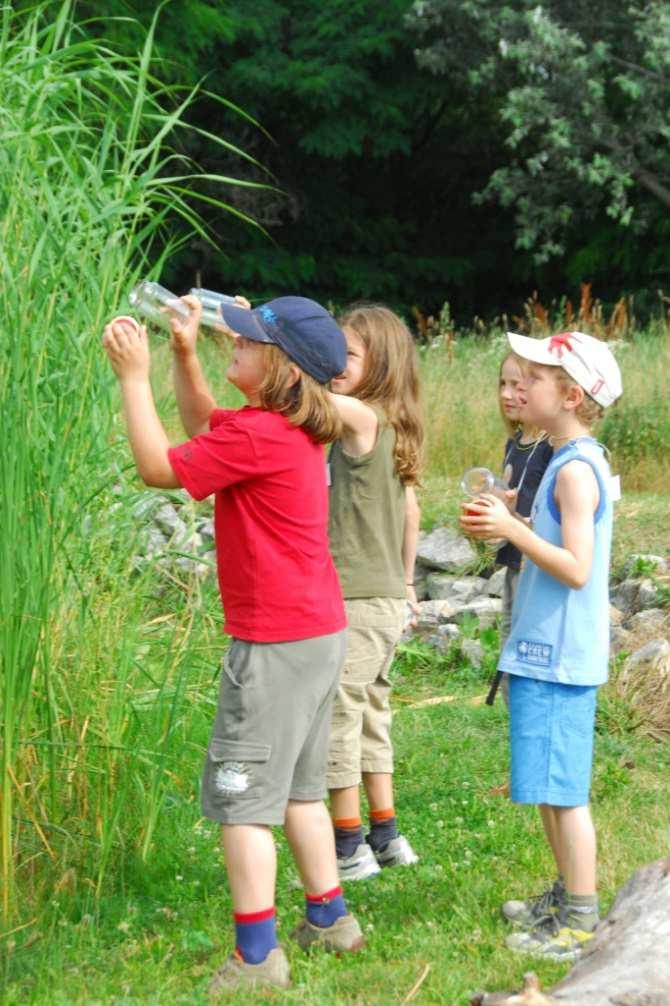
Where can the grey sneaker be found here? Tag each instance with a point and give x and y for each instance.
(398, 852)
(552, 939)
(360, 865)
(526, 914)
(235, 973)
(344, 936)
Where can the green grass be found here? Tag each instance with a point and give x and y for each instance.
(163, 925)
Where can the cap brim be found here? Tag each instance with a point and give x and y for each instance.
(532, 349)
(244, 322)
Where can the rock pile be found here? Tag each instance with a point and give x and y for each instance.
(175, 536)
(178, 538)
(451, 587)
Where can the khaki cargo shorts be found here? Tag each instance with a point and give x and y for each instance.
(269, 742)
(360, 738)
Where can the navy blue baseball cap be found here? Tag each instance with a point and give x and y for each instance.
(307, 333)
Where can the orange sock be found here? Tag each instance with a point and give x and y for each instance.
(346, 822)
(382, 815)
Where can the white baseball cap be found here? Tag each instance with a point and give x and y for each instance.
(590, 362)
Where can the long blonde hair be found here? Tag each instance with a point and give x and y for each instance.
(304, 402)
(391, 380)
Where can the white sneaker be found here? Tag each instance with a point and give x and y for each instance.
(360, 865)
(398, 852)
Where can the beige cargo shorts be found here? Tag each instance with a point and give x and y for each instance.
(360, 736)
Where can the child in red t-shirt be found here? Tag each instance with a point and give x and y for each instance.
(264, 463)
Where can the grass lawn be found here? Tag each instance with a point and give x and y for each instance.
(158, 936)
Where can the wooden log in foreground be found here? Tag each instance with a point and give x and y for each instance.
(628, 961)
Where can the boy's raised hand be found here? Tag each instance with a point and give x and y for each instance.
(185, 333)
(127, 348)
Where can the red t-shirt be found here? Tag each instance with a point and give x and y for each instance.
(276, 576)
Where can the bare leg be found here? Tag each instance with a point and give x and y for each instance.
(309, 832)
(251, 865)
(577, 841)
(379, 789)
(550, 824)
(345, 803)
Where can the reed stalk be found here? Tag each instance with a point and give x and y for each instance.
(89, 186)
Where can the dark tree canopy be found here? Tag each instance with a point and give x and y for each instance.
(475, 173)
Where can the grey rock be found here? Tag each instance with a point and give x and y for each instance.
(443, 637)
(192, 567)
(616, 616)
(647, 595)
(624, 597)
(655, 652)
(431, 613)
(620, 639)
(460, 590)
(205, 526)
(495, 584)
(191, 541)
(176, 566)
(152, 542)
(447, 550)
(651, 621)
(473, 651)
(145, 507)
(486, 609)
(169, 522)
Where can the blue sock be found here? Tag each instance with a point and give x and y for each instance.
(348, 836)
(323, 910)
(255, 935)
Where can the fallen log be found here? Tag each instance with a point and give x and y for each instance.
(628, 961)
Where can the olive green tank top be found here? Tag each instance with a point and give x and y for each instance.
(367, 517)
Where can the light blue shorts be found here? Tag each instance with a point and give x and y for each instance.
(551, 740)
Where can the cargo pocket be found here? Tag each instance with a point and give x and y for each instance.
(234, 770)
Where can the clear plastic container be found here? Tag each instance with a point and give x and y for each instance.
(210, 299)
(480, 480)
(156, 304)
(211, 306)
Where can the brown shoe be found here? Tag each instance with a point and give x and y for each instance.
(235, 973)
(344, 936)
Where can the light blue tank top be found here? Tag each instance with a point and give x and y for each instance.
(559, 633)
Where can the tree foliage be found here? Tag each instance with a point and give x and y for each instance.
(583, 91)
(477, 173)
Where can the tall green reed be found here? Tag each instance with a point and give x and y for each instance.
(88, 187)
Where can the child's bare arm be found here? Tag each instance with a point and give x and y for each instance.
(577, 497)
(409, 543)
(411, 533)
(359, 424)
(194, 399)
(128, 352)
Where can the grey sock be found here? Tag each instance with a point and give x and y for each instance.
(581, 911)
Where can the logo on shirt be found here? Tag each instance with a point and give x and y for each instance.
(536, 654)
